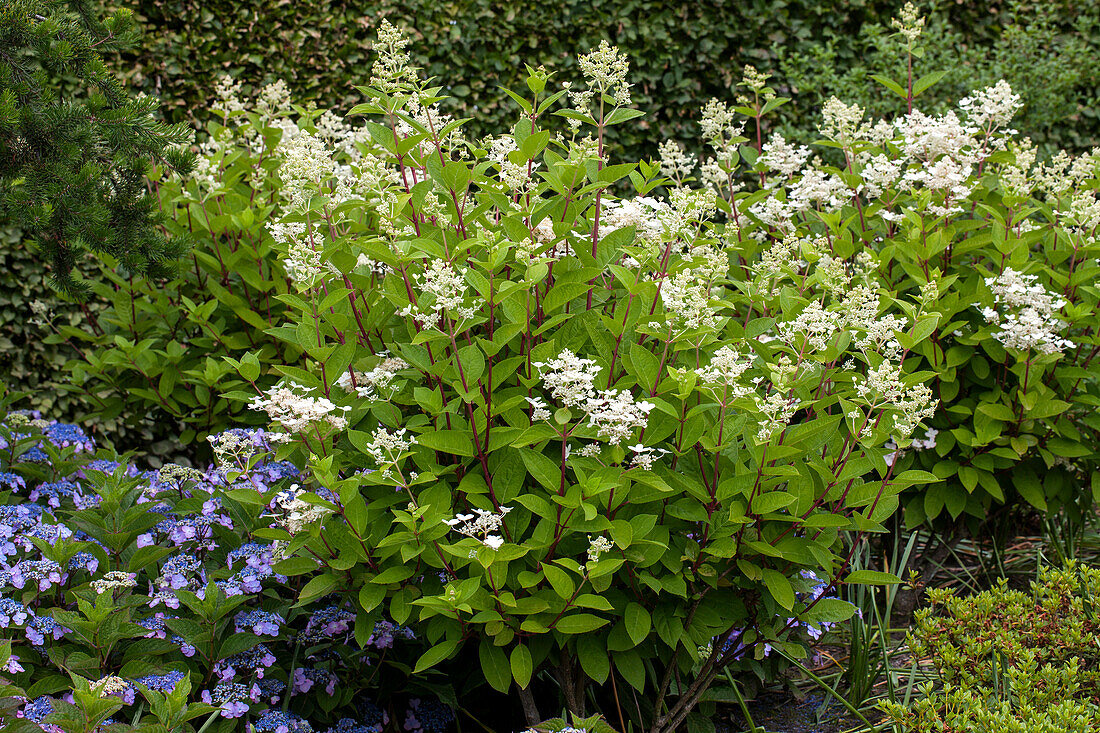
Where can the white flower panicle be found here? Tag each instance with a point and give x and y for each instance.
(725, 370)
(307, 164)
(782, 157)
(481, 525)
(649, 216)
(882, 387)
(227, 93)
(926, 138)
(368, 384)
(910, 24)
(295, 410)
(776, 410)
(302, 262)
(992, 107)
(843, 123)
(720, 130)
(615, 415)
(274, 99)
(387, 448)
(391, 71)
(644, 457)
(687, 300)
(569, 378)
(816, 325)
(447, 286)
(597, 547)
(539, 409)
(297, 513)
(676, 163)
(606, 70)
(572, 379)
(1027, 320)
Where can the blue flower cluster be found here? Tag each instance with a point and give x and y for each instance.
(194, 541)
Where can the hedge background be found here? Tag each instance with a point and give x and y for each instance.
(682, 53)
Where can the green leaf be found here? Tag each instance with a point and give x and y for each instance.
(638, 623)
(295, 566)
(592, 652)
(621, 114)
(926, 81)
(872, 577)
(545, 471)
(579, 623)
(394, 575)
(890, 84)
(780, 588)
(522, 667)
(453, 442)
(831, 610)
(320, 586)
(771, 501)
(435, 655)
(561, 582)
(238, 643)
(473, 364)
(494, 665)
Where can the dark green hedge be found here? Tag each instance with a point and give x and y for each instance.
(682, 53)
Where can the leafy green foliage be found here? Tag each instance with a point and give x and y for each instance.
(1010, 660)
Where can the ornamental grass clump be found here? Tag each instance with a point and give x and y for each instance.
(580, 437)
(1008, 660)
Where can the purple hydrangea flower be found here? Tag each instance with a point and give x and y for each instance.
(175, 571)
(254, 660)
(374, 718)
(45, 573)
(13, 613)
(155, 624)
(258, 622)
(12, 665)
(83, 561)
(428, 716)
(37, 709)
(306, 677)
(385, 632)
(271, 689)
(255, 555)
(12, 481)
(232, 697)
(54, 493)
(64, 435)
(276, 721)
(161, 682)
(42, 626)
(327, 623)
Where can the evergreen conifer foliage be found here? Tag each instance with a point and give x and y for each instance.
(75, 145)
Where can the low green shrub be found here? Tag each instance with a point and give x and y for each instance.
(1025, 662)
